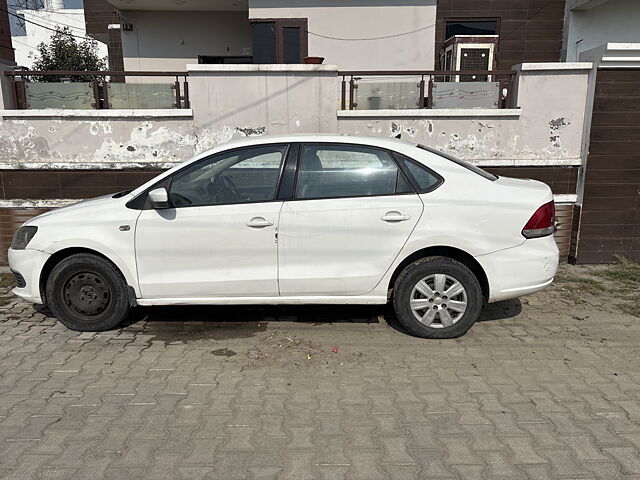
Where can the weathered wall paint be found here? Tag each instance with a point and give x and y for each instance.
(240, 101)
(548, 130)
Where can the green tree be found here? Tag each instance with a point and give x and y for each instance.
(65, 52)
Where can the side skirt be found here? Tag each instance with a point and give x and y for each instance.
(337, 300)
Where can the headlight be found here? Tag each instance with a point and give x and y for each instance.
(22, 237)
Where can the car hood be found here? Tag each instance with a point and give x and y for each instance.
(78, 208)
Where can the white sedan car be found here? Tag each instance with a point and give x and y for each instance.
(308, 219)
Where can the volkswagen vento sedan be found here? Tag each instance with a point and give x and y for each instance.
(297, 220)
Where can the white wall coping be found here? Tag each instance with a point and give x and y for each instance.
(522, 162)
(29, 203)
(107, 113)
(61, 202)
(89, 165)
(261, 68)
(436, 112)
(623, 46)
(58, 165)
(550, 66)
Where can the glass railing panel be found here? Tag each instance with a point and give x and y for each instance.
(383, 94)
(141, 95)
(466, 94)
(75, 95)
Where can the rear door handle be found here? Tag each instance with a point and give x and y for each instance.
(259, 222)
(394, 217)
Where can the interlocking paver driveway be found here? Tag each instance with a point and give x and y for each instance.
(546, 388)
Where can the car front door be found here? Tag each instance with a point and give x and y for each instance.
(218, 238)
(352, 212)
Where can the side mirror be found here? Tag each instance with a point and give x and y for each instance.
(159, 198)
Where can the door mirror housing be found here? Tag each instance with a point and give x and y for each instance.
(159, 198)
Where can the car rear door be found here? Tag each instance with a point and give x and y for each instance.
(352, 212)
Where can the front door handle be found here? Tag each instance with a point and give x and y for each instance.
(259, 222)
(394, 217)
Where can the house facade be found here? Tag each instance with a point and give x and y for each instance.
(355, 34)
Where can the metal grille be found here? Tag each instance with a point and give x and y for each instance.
(474, 59)
(19, 280)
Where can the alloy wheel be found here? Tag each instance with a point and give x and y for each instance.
(438, 301)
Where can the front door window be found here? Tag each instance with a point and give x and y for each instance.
(247, 175)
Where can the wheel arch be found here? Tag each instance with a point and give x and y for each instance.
(60, 255)
(450, 252)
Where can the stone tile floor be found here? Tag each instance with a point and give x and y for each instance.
(545, 387)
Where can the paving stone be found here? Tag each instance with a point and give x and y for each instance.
(529, 394)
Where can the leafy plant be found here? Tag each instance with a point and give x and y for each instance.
(65, 52)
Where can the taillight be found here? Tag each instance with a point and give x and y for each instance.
(541, 223)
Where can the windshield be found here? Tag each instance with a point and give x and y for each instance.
(468, 166)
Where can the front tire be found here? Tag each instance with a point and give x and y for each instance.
(437, 297)
(87, 293)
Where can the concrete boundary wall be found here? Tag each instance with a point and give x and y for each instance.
(235, 101)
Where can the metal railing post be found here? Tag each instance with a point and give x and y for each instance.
(343, 103)
(176, 85)
(105, 94)
(20, 94)
(96, 94)
(352, 89)
(187, 103)
(421, 86)
(430, 93)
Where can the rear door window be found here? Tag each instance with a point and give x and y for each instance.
(335, 171)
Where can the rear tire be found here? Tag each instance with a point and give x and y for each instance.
(437, 297)
(87, 293)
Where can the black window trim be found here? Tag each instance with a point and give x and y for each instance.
(140, 202)
(412, 181)
(348, 144)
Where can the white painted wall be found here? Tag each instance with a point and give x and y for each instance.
(26, 46)
(361, 20)
(611, 21)
(163, 40)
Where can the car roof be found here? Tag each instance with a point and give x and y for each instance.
(384, 142)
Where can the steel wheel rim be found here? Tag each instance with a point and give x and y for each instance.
(438, 301)
(86, 294)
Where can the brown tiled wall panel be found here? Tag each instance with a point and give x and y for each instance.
(6, 50)
(562, 180)
(98, 15)
(10, 220)
(610, 218)
(530, 30)
(42, 185)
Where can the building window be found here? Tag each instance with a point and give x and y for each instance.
(470, 27)
(279, 40)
